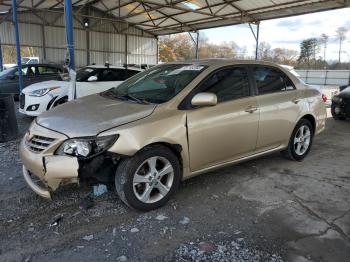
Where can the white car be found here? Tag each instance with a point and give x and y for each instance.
(40, 97)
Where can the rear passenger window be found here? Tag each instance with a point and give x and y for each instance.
(45, 70)
(227, 84)
(109, 75)
(269, 80)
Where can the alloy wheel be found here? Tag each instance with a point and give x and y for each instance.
(302, 140)
(153, 179)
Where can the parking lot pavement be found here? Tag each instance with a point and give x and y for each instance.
(268, 209)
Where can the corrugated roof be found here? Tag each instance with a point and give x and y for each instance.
(161, 17)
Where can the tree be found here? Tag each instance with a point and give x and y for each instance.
(175, 47)
(308, 51)
(324, 41)
(341, 35)
(264, 51)
(182, 47)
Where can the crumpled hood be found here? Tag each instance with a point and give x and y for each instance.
(91, 115)
(45, 84)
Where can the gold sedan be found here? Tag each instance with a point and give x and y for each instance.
(169, 123)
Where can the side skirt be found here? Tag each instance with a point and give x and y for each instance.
(236, 161)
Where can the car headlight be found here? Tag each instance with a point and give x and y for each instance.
(86, 146)
(42, 92)
(337, 99)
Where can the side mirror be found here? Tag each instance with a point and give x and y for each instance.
(92, 79)
(204, 99)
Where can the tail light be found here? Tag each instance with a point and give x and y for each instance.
(324, 98)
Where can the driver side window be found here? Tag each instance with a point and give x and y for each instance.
(228, 84)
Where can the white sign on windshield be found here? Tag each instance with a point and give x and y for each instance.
(186, 68)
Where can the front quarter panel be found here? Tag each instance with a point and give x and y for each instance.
(163, 126)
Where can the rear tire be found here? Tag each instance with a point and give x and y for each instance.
(147, 180)
(300, 141)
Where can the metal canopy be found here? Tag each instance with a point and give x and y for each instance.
(160, 17)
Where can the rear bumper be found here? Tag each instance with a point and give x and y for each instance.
(43, 192)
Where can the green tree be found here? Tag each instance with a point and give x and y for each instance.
(308, 51)
(341, 35)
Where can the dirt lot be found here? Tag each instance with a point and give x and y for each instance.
(269, 209)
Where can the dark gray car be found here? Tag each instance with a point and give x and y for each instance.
(32, 73)
(340, 108)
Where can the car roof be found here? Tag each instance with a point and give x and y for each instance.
(52, 65)
(223, 62)
(115, 67)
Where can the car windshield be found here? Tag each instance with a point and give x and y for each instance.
(25, 60)
(156, 85)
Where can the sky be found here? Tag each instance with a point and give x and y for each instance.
(289, 32)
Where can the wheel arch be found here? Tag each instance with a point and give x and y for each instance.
(311, 119)
(175, 148)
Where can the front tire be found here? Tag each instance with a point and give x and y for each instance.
(300, 141)
(147, 180)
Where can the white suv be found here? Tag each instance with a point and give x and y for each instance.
(92, 79)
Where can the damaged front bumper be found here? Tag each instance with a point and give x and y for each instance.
(56, 170)
(41, 191)
(43, 171)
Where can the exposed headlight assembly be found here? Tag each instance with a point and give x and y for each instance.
(337, 99)
(42, 92)
(86, 146)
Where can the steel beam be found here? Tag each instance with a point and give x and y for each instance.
(18, 46)
(1, 61)
(69, 32)
(257, 41)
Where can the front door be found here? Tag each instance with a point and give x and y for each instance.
(227, 131)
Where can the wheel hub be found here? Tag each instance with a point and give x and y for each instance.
(153, 179)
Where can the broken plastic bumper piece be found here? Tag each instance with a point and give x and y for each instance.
(57, 170)
(43, 192)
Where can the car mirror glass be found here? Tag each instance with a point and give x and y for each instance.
(204, 99)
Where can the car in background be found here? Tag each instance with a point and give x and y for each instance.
(32, 73)
(24, 60)
(40, 97)
(340, 107)
(170, 123)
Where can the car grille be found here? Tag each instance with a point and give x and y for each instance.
(22, 101)
(38, 144)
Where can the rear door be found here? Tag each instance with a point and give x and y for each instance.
(278, 100)
(227, 131)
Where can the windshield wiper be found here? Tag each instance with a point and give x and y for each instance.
(133, 98)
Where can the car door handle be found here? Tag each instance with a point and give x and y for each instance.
(251, 109)
(296, 100)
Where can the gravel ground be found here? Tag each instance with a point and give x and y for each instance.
(268, 209)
